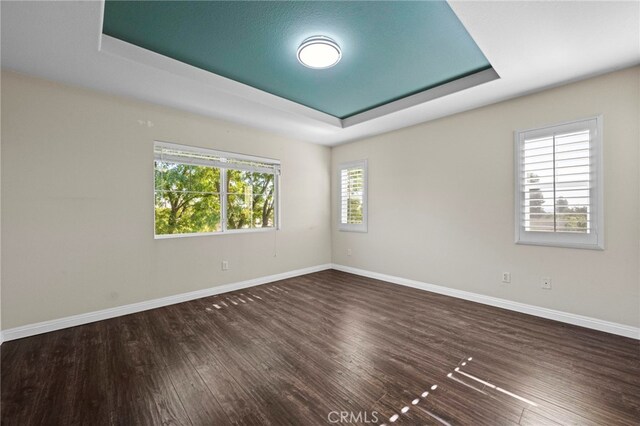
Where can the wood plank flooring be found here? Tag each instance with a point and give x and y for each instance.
(306, 350)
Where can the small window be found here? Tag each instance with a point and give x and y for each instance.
(353, 196)
(559, 185)
(200, 191)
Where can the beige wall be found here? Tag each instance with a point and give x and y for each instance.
(1, 338)
(77, 204)
(441, 200)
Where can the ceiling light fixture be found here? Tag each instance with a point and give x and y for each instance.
(319, 52)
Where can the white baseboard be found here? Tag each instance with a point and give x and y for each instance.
(72, 321)
(583, 321)
(75, 320)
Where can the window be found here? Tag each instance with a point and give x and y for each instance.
(353, 196)
(559, 185)
(200, 191)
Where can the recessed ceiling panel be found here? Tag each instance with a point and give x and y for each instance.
(390, 50)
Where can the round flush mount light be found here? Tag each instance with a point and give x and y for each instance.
(319, 52)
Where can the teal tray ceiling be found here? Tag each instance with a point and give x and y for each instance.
(390, 50)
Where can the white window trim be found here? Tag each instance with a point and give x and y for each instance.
(223, 194)
(350, 227)
(592, 241)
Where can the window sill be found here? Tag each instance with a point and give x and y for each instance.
(206, 234)
(598, 247)
(360, 230)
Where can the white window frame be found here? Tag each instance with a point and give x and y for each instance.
(593, 240)
(352, 227)
(223, 194)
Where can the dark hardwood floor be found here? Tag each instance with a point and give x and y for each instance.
(303, 350)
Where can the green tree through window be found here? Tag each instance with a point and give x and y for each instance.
(200, 190)
(251, 199)
(187, 198)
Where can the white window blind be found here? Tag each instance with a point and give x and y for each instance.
(353, 196)
(174, 153)
(559, 185)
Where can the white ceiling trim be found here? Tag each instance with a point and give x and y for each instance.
(423, 97)
(532, 45)
(114, 46)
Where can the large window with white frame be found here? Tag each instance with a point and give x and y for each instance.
(559, 185)
(352, 178)
(201, 191)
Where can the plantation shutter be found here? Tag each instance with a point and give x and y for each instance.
(558, 183)
(353, 203)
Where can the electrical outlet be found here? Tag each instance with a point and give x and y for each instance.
(225, 265)
(349, 252)
(546, 283)
(506, 277)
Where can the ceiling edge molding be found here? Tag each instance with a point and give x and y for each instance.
(454, 86)
(114, 46)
